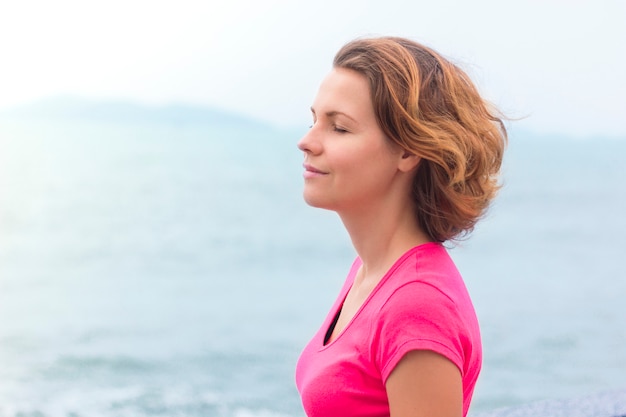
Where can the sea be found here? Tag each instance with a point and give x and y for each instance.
(163, 268)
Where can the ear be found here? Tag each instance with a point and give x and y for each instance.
(408, 162)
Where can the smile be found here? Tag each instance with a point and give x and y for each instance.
(311, 172)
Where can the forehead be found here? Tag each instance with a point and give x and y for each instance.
(344, 90)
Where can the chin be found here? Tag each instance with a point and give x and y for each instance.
(311, 201)
(315, 201)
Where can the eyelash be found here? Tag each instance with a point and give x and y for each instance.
(336, 129)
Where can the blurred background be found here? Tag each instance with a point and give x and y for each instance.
(156, 257)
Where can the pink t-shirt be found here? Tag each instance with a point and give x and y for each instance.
(420, 304)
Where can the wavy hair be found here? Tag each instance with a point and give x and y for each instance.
(429, 107)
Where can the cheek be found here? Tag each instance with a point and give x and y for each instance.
(371, 172)
(361, 158)
(358, 156)
(378, 161)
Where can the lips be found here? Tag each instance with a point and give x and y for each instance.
(311, 172)
(311, 168)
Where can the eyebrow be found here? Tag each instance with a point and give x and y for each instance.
(335, 113)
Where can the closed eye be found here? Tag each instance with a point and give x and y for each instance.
(339, 129)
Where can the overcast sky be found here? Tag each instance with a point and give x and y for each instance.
(561, 64)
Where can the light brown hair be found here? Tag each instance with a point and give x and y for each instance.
(429, 107)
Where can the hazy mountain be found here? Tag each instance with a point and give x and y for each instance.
(73, 108)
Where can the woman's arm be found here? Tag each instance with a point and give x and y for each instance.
(425, 384)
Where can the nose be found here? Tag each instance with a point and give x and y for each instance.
(309, 143)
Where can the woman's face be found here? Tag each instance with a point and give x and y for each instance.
(349, 163)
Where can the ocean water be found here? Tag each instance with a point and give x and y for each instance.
(159, 269)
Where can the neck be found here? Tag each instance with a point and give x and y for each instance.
(381, 235)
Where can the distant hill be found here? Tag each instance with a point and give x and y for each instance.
(74, 108)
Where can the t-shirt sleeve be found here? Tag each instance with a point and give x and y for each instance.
(418, 316)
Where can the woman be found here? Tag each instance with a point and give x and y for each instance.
(406, 151)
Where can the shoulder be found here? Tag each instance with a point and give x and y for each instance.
(427, 288)
(425, 271)
(425, 306)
